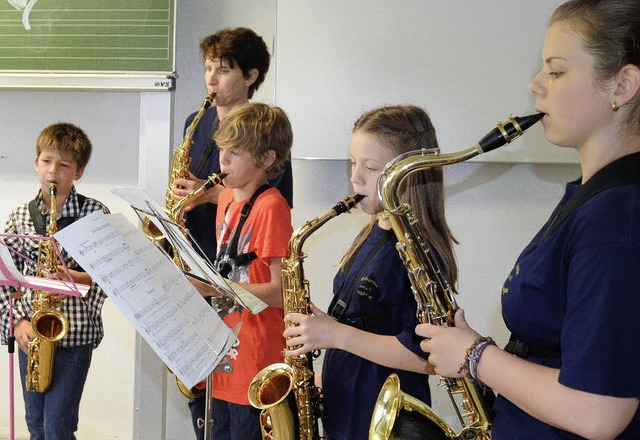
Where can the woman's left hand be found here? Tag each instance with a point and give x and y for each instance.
(447, 346)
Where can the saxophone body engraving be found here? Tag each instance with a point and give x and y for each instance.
(47, 321)
(286, 392)
(434, 296)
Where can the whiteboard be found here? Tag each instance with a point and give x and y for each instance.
(467, 63)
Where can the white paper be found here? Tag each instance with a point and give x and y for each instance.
(189, 337)
(198, 266)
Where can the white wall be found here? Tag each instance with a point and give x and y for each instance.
(493, 210)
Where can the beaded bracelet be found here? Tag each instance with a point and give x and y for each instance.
(470, 365)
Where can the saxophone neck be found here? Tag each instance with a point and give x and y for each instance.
(398, 169)
(176, 213)
(301, 234)
(206, 103)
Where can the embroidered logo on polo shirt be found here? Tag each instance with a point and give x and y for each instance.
(505, 290)
(366, 286)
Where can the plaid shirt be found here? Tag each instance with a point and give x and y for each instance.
(84, 314)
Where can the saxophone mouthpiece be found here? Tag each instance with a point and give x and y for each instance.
(208, 101)
(507, 131)
(347, 203)
(214, 180)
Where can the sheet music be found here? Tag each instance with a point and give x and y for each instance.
(151, 292)
(200, 267)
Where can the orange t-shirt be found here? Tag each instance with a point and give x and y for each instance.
(260, 342)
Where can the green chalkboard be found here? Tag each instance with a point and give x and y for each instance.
(110, 36)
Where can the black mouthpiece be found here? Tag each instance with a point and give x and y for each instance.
(214, 179)
(347, 203)
(508, 131)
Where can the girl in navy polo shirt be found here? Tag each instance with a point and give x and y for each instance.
(572, 298)
(369, 328)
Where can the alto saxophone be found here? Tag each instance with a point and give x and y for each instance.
(434, 296)
(177, 216)
(179, 170)
(285, 392)
(175, 209)
(47, 321)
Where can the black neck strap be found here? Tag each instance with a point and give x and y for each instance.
(623, 171)
(211, 145)
(38, 218)
(232, 249)
(342, 298)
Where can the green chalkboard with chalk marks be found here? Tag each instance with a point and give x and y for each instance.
(87, 36)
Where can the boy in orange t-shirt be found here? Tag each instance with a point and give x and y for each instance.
(255, 141)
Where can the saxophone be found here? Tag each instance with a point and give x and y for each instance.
(435, 298)
(47, 321)
(175, 209)
(179, 170)
(285, 392)
(177, 216)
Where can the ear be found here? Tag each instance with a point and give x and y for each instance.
(79, 173)
(268, 159)
(251, 77)
(628, 84)
(35, 162)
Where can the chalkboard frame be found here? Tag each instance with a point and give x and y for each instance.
(58, 48)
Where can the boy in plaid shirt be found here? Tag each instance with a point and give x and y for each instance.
(62, 153)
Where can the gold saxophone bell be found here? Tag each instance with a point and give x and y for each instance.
(270, 391)
(50, 325)
(398, 415)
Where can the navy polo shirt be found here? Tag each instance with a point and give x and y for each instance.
(578, 290)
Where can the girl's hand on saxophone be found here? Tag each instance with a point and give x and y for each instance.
(305, 333)
(447, 345)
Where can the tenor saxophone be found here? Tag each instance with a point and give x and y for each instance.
(434, 296)
(48, 323)
(285, 392)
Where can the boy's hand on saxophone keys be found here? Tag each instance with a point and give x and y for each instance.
(23, 333)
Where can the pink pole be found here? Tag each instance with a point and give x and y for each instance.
(11, 350)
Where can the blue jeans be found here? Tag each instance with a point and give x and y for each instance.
(54, 415)
(196, 406)
(234, 422)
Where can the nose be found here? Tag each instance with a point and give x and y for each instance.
(356, 175)
(224, 157)
(210, 77)
(535, 86)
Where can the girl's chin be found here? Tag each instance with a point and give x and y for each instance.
(367, 209)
